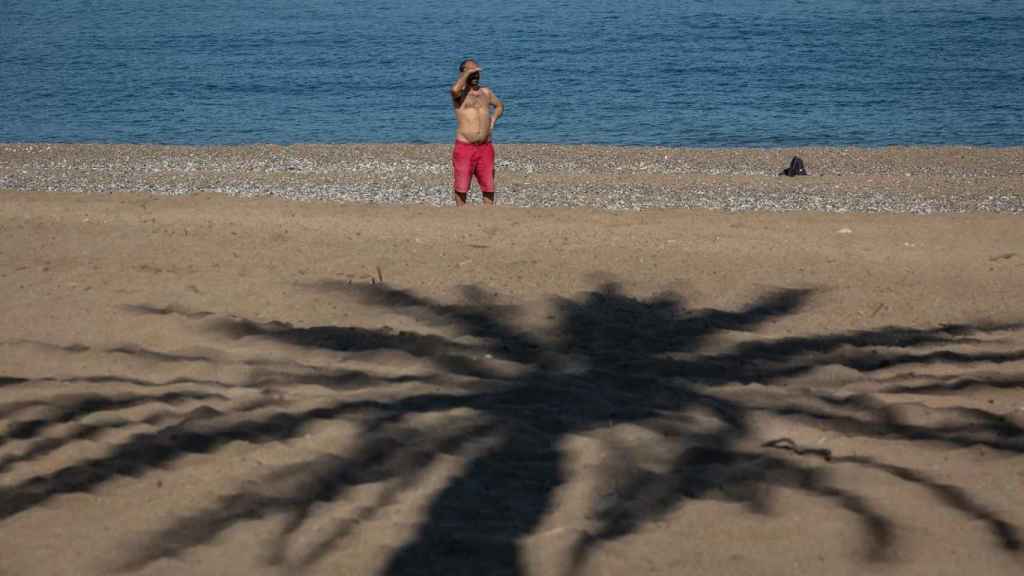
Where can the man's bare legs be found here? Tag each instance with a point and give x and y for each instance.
(460, 198)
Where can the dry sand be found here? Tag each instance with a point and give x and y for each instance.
(218, 385)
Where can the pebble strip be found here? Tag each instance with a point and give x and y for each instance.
(917, 180)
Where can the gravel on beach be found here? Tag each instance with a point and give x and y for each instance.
(916, 180)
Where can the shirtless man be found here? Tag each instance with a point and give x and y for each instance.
(473, 153)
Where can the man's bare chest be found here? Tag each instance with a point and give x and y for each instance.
(475, 101)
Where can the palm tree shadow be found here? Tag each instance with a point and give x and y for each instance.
(635, 369)
(619, 375)
(609, 360)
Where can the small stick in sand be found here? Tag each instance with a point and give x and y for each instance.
(1006, 256)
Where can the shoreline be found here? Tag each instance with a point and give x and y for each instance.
(522, 144)
(896, 179)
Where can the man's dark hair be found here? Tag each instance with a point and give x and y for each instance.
(462, 67)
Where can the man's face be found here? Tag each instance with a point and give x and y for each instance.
(474, 76)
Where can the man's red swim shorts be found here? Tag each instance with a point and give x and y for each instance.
(470, 160)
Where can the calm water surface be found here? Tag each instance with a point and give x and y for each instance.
(647, 72)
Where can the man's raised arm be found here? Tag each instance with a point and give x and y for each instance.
(459, 88)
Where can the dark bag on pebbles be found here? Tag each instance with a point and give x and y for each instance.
(796, 168)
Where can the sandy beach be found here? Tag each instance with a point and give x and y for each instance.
(284, 360)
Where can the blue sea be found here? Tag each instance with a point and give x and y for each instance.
(648, 72)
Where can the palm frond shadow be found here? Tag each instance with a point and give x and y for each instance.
(608, 360)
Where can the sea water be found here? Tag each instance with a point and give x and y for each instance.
(647, 72)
